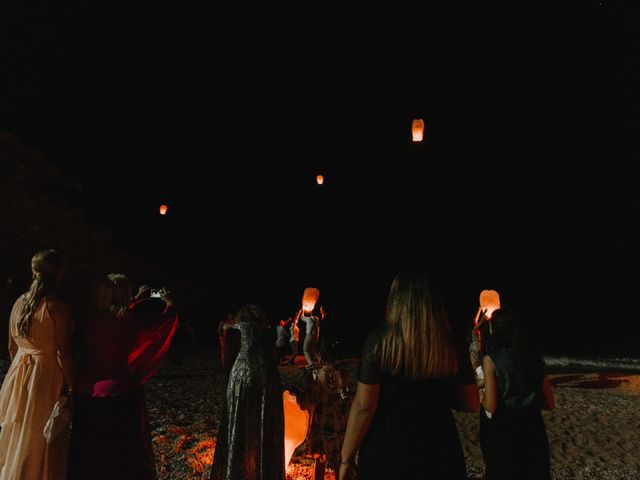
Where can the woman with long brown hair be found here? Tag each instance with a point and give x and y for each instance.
(400, 423)
(40, 373)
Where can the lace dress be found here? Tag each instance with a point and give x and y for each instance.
(412, 433)
(250, 444)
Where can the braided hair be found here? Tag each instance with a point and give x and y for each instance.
(46, 268)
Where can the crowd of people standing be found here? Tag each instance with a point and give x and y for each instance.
(98, 386)
(397, 424)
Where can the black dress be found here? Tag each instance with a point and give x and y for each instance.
(412, 433)
(514, 440)
(250, 444)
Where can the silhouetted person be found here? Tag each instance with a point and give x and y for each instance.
(512, 431)
(250, 444)
(40, 373)
(123, 340)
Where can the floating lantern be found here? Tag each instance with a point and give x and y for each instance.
(320, 179)
(163, 209)
(417, 129)
(309, 299)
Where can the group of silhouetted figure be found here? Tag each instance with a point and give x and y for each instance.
(400, 422)
(72, 404)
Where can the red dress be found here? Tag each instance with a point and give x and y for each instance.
(111, 436)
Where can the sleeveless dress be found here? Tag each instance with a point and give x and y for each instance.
(413, 432)
(30, 389)
(514, 440)
(250, 444)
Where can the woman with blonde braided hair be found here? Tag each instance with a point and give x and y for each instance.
(40, 373)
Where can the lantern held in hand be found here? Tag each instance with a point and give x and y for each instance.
(489, 301)
(309, 299)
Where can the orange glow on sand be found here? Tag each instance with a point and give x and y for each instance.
(163, 209)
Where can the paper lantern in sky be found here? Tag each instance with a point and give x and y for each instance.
(417, 129)
(163, 209)
(319, 179)
(309, 299)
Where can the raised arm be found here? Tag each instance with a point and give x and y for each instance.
(489, 394)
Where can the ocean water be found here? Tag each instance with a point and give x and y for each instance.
(592, 364)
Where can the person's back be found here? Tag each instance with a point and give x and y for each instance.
(40, 328)
(405, 376)
(417, 411)
(250, 440)
(124, 340)
(512, 431)
(103, 368)
(519, 387)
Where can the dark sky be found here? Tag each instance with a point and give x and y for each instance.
(526, 180)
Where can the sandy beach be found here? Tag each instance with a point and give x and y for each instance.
(593, 431)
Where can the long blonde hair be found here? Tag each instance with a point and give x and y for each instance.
(46, 269)
(417, 341)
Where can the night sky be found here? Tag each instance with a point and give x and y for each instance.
(525, 182)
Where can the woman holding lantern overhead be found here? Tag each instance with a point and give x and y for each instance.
(312, 322)
(512, 431)
(400, 423)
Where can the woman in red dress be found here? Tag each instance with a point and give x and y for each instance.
(122, 343)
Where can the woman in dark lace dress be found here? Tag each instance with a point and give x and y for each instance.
(400, 422)
(250, 443)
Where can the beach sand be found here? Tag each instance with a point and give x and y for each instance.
(594, 431)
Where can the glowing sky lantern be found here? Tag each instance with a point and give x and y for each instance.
(309, 299)
(417, 129)
(320, 179)
(489, 300)
(163, 209)
(296, 425)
